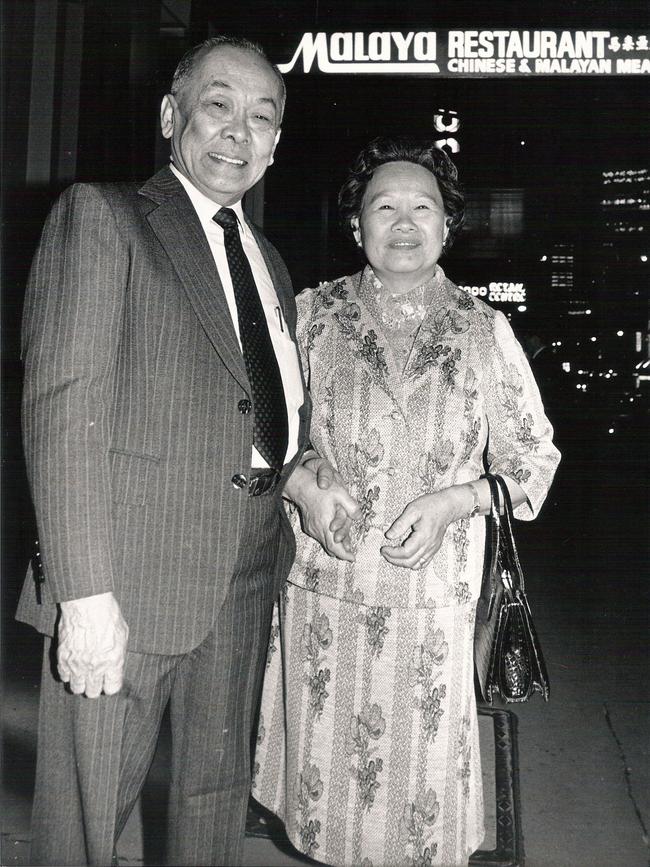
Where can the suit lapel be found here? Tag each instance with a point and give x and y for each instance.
(179, 230)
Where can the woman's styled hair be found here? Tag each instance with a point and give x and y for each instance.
(409, 150)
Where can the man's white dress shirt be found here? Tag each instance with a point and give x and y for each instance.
(285, 350)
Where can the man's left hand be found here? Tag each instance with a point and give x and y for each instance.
(326, 475)
(326, 508)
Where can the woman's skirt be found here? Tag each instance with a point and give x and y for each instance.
(368, 737)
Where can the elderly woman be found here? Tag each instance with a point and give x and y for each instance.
(368, 743)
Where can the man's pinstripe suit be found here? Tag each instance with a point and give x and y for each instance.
(132, 435)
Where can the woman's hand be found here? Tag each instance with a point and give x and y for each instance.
(427, 518)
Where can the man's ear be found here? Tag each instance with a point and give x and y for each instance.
(275, 144)
(167, 108)
(356, 231)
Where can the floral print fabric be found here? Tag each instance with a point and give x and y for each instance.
(368, 744)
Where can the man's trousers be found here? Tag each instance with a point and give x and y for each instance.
(94, 754)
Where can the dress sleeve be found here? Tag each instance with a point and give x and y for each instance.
(520, 441)
(305, 306)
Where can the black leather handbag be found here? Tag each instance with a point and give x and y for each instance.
(507, 655)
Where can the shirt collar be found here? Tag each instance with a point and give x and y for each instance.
(205, 207)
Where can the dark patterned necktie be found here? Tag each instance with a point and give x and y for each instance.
(270, 426)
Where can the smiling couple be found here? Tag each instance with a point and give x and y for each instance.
(166, 420)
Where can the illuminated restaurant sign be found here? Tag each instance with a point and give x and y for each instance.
(467, 53)
(515, 293)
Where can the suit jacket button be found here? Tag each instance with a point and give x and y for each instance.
(239, 480)
(244, 406)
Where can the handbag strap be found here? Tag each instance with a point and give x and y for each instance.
(507, 543)
(493, 535)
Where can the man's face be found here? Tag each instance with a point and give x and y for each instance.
(224, 122)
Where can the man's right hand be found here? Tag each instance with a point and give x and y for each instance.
(92, 645)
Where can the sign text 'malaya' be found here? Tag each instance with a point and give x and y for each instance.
(366, 52)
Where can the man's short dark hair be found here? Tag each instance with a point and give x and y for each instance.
(189, 59)
(409, 150)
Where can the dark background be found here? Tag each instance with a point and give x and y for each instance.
(82, 85)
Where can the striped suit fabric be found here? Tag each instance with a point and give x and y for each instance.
(132, 434)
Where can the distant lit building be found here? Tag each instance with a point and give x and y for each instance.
(560, 277)
(625, 201)
(621, 270)
(561, 267)
(567, 292)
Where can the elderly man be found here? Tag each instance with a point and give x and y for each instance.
(164, 415)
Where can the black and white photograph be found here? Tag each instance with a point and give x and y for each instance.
(326, 364)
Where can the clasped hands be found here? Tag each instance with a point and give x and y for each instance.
(328, 513)
(327, 510)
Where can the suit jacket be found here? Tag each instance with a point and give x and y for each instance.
(132, 432)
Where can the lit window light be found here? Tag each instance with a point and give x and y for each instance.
(588, 311)
(593, 339)
(620, 333)
(544, 258)
(643, 257)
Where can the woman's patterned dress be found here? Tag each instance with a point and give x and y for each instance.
(368, 741)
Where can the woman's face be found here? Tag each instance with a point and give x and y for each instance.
(402, 225)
